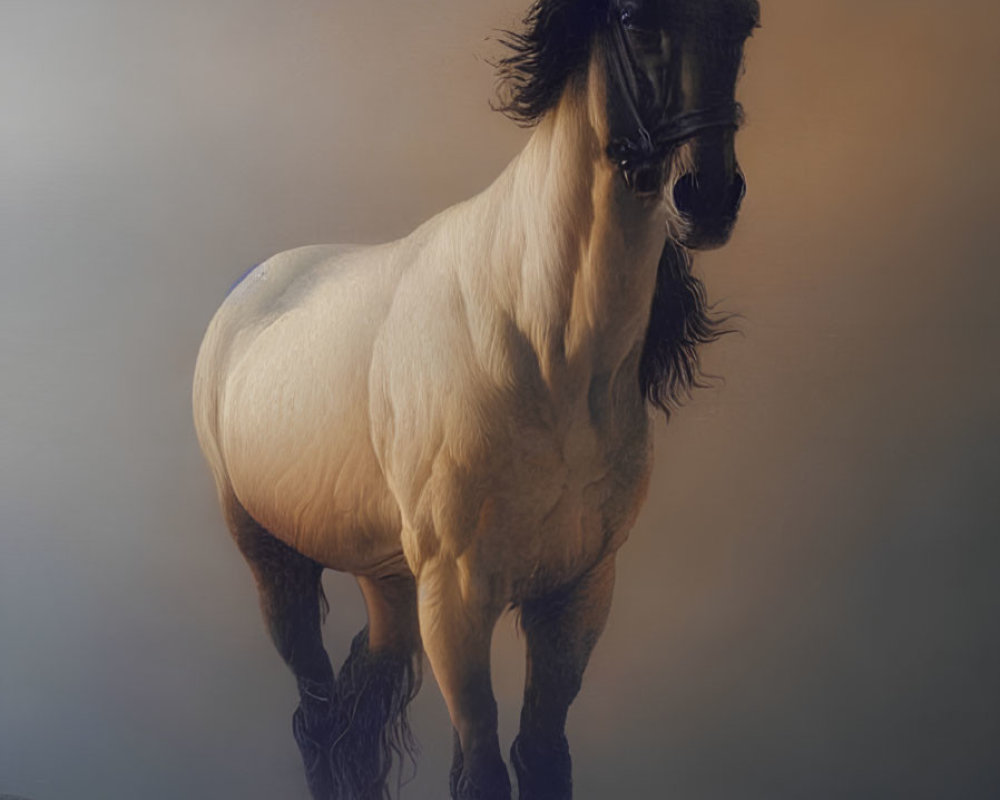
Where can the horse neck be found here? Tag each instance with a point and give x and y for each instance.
(585, 249)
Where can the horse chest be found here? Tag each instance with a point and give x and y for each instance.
(590, 489)
(548, 502)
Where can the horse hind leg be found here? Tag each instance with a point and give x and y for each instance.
(374, 687)
(291, 597)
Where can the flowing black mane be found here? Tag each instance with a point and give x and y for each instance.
(554, 44)
(680, 319)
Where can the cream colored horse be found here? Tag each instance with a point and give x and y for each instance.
(460, 418)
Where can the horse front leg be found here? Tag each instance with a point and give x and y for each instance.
(561, 631)
(456, 625)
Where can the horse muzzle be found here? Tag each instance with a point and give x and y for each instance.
(709, 207)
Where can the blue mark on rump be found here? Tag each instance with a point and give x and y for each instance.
(242, 278)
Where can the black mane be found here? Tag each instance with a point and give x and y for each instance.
(680, 319)
(554, 45)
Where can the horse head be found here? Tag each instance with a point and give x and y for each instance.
(671, 68)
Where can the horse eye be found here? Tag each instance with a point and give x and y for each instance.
(636, 19)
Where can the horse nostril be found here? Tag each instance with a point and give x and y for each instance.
(737, 191)
(684, 194)
(694, 200)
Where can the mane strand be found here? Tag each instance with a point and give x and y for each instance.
(680, 320)
(554, 45)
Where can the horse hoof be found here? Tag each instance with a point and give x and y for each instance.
(495, 786)
(544, 772)
(454, 778)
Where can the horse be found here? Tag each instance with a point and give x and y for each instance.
(461, 419)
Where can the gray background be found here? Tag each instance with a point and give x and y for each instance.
(808, 607)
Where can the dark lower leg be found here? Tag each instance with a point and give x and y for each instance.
(540, 752)
(373, 734)
(478, 771)
(374, 687)
(290, 597)
(561, 631)
(457, 764)
(457, 628)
